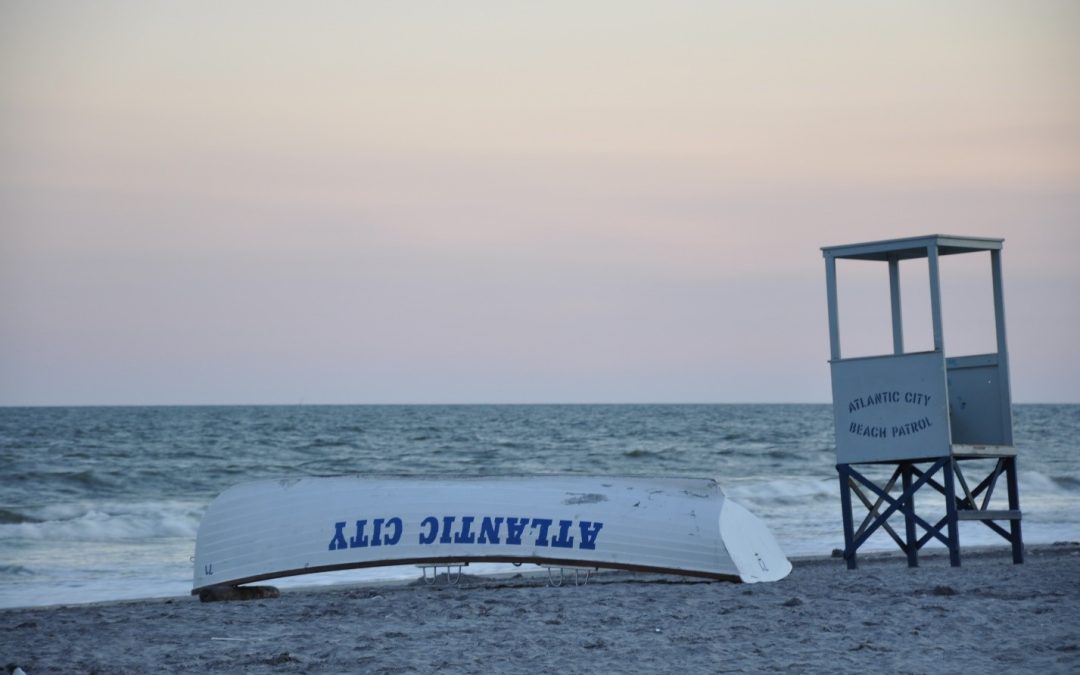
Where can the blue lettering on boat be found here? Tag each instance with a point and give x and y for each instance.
(385, 532)
(364, 532)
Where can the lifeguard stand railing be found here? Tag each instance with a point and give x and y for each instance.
(923, 413)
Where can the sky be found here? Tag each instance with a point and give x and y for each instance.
(504, 202)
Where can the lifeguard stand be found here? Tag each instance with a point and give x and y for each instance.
(923, 412)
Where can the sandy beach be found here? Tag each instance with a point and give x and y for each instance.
(988, 615)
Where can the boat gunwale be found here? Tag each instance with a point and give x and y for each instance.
(434, 561)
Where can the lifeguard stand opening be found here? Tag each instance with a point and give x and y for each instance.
(924, 413)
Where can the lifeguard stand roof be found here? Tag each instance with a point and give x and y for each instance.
(912, 247)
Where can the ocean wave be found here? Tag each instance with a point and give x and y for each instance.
(9, 517)
(638, 453)
(323, 443)
(15, 571)
(108, 522)
(86, 478)
(1033, 481)
(782, 491)
(778, 453)
(1069, 483)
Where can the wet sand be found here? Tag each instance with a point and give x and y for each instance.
(988, 615)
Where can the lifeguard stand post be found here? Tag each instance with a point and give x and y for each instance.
(923, 412)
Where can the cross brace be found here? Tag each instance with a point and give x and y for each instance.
(957, 508)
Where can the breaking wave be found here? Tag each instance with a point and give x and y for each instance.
(15, 571)
(106, 522)
(10, 517)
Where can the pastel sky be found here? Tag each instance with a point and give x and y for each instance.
(413, 202)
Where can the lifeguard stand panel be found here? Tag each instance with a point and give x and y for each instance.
(919, 404)
(910, 407)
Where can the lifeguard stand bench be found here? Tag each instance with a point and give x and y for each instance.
(923, 412)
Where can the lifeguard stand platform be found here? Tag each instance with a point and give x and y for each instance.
(923, 412)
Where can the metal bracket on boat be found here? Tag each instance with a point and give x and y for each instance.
(580, 575)
(451, 580)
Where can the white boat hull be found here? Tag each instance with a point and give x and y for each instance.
(269, 529)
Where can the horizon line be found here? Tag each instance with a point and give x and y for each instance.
(303, 404)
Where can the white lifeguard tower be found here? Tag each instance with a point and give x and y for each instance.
(924, 412)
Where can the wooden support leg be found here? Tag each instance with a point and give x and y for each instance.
(950, 513)
(845, 507)
(1014, 505)
(911, 547)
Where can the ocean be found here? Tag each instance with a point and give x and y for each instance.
(103, 503)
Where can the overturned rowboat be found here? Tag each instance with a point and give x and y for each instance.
(270, 529)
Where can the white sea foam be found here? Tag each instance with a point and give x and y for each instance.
(1038, 483)
(110, 521)
(781, 490)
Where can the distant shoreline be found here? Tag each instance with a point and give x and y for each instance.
(14, 406)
